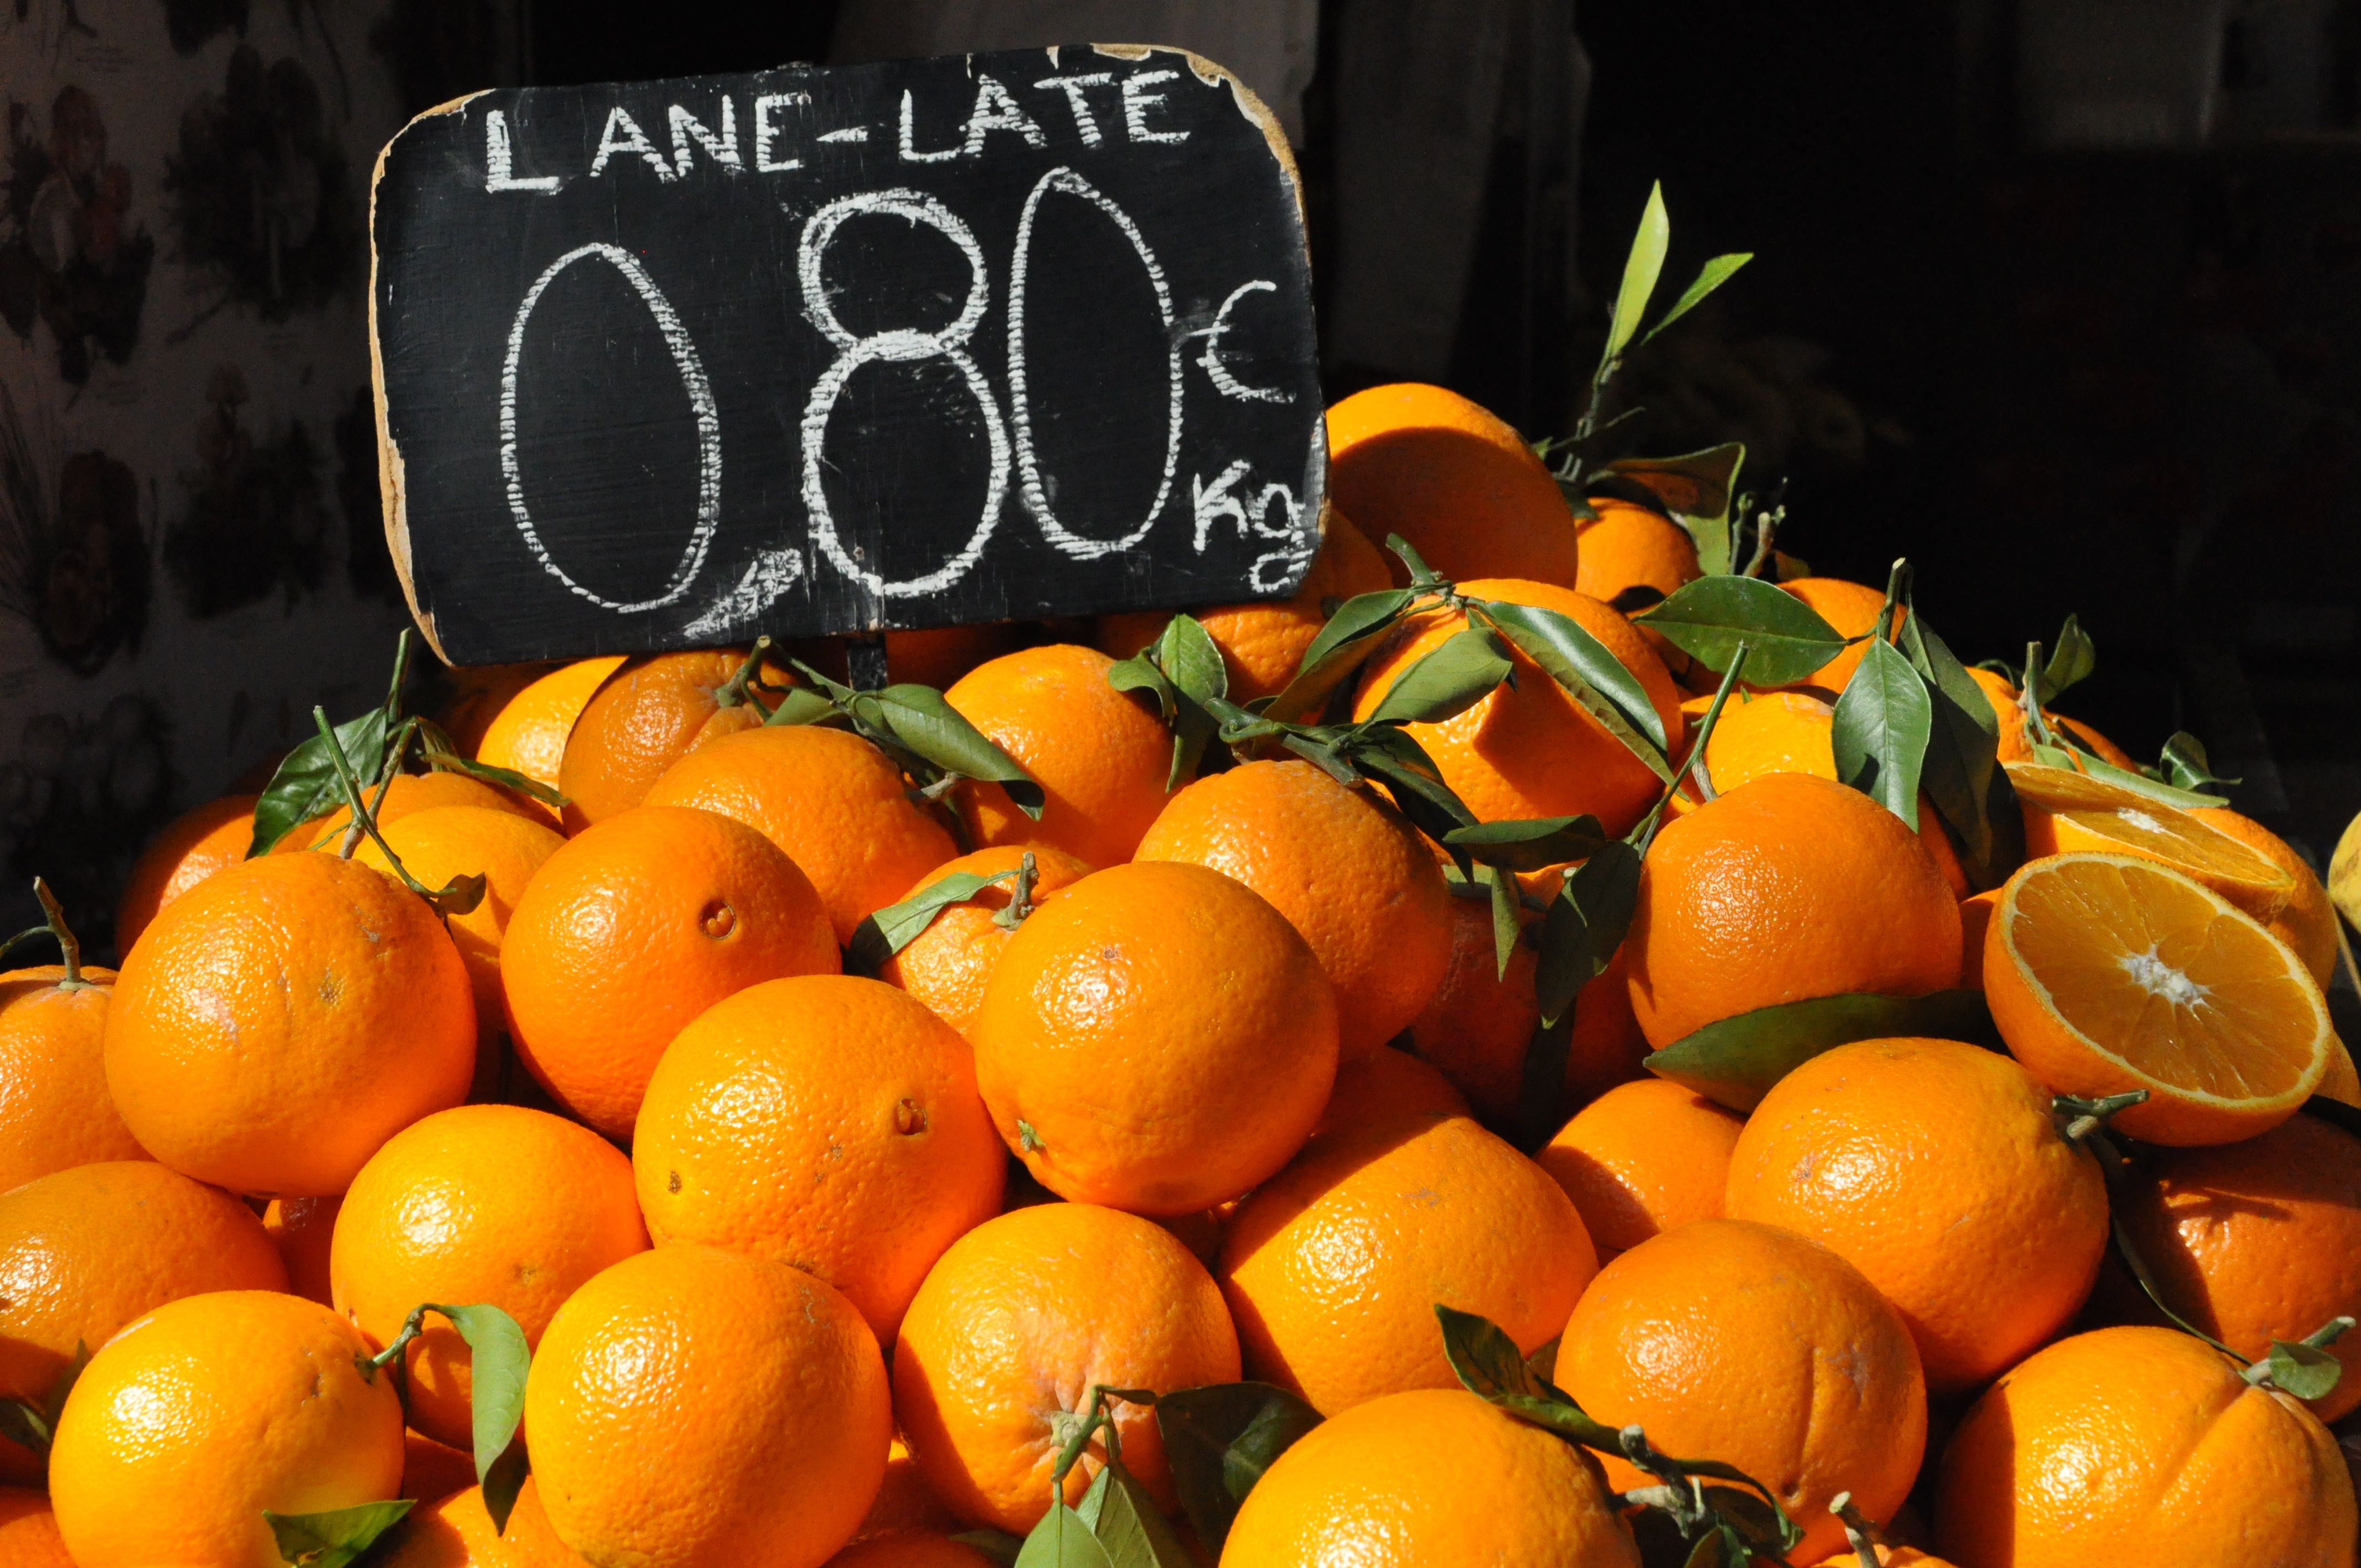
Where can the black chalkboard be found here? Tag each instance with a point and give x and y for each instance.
(667, 364)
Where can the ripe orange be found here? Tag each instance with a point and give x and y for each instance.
(2109, 973)
(1937, 1170)
(1158, 1039)
(457, 1532)
(652, 711)
(1349, 875)
(502, 848)
(1385, 1084)
(1453, 480)
(1018, 1321)
(1784, 888)
(1643, 1158)
(2070, 813)
(409, 795)
(1851, 608)
(828, 1121)
(1433, 1475)
(528, 734)
(480, 1203)
(947, 964)
(193, 846)
(1888, 1557)
(1333, 1267)
(904, 1504)
(691, 1407)
(29, 1531)
(1529, 750)
(2258, 1240)
(198, 1417)
(303, 1230)
(633, 928)
(1477, 1020)
(55, 1111)
(1628, 546)
(910, 1548)
(1975, 923)
(84, 1251)
(1605, 1046)
(2308, 921)
(282, 1019)
(832, 802)
(2141, 1445)
(1762, 1350)
(1262, 644)
(1100, 756)
(431, 1470)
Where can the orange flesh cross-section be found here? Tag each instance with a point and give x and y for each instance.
(2091, 814)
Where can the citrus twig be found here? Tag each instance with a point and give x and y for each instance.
(388, 773)
(2261, 1372)
(1020, 896)
(462, 893)
(69, 945)
(2079, 1119)
(1859, 1533)
(738, 688)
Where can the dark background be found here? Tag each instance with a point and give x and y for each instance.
(2123, 383)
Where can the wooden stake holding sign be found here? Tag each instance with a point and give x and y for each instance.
(810, 351)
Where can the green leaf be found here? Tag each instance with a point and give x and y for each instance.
(997, 1545)
(1698, 488)
(1641, 269)
(1711, 276)
(1447, 680)
(2071, 661)
(503, 1481)
(1139, 674)
(1062, 1540)
(1542, 1364)
(919, 718)
(1880, 728)
(306, 786)
(1345, 643)
(1786, 641)
(895, 926)
(804, 705)
(334, 1539)
(1123, 1519)
(2185, 765)
(497, 1363)
(1585, 924)
(1581, 663)
(1219, 1440)
(2305, 1371)
(1961, 774)
(1386, 754)
(27, 1425)
(1191, 659)
(1507, 918)
(1528, 844)
(1488, 1364)
(1735, 1062)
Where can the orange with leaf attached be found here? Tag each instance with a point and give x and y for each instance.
(647, 716)
(1100, 756)
(945, 966)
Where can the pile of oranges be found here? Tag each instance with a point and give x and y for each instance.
(1443, 1069)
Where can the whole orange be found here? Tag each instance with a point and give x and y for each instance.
(1528, 749)
(832, 802)
(1100, 756)
(1385, 1084)
(1479, 1020)
(910, 1548)
(1784, 888)
(691, 1407)
(1333, 1268)
(1852, 610)
(2308, 922)
(2141, 1445)
(1015, 1325)
(55, 1111)
(1628, 546)
(84, 1250)
(282, 1019)
(457, 1532)
(903, 1503)
(303, 1230)
(828, 1121)
(29, 1531)
(408, 795)
(652, 711)
(1762, 1350)
(431, 1470)
(1643, 1158)
(632, 930)
(1937, 1169)
(210, 1410)
(1453, 480)
(1263, 643)
(1431, 1476)
(947, 965)
(1341, 864)
(193, 846)
(491, 1205)
(2258, 1239)
(502, 848)
(1158, 1039)
(528, 734)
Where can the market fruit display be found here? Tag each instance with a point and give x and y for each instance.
(1549, 1046)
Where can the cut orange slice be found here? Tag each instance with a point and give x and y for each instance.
(2067, 812)
(2113, 973)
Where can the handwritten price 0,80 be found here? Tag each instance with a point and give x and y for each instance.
(1008, 439)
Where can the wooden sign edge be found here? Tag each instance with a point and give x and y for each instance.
(389, 471)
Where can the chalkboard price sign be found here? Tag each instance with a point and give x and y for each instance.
(815, 351)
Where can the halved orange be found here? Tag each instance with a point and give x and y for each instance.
(2067, 812)
(2113, 973)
